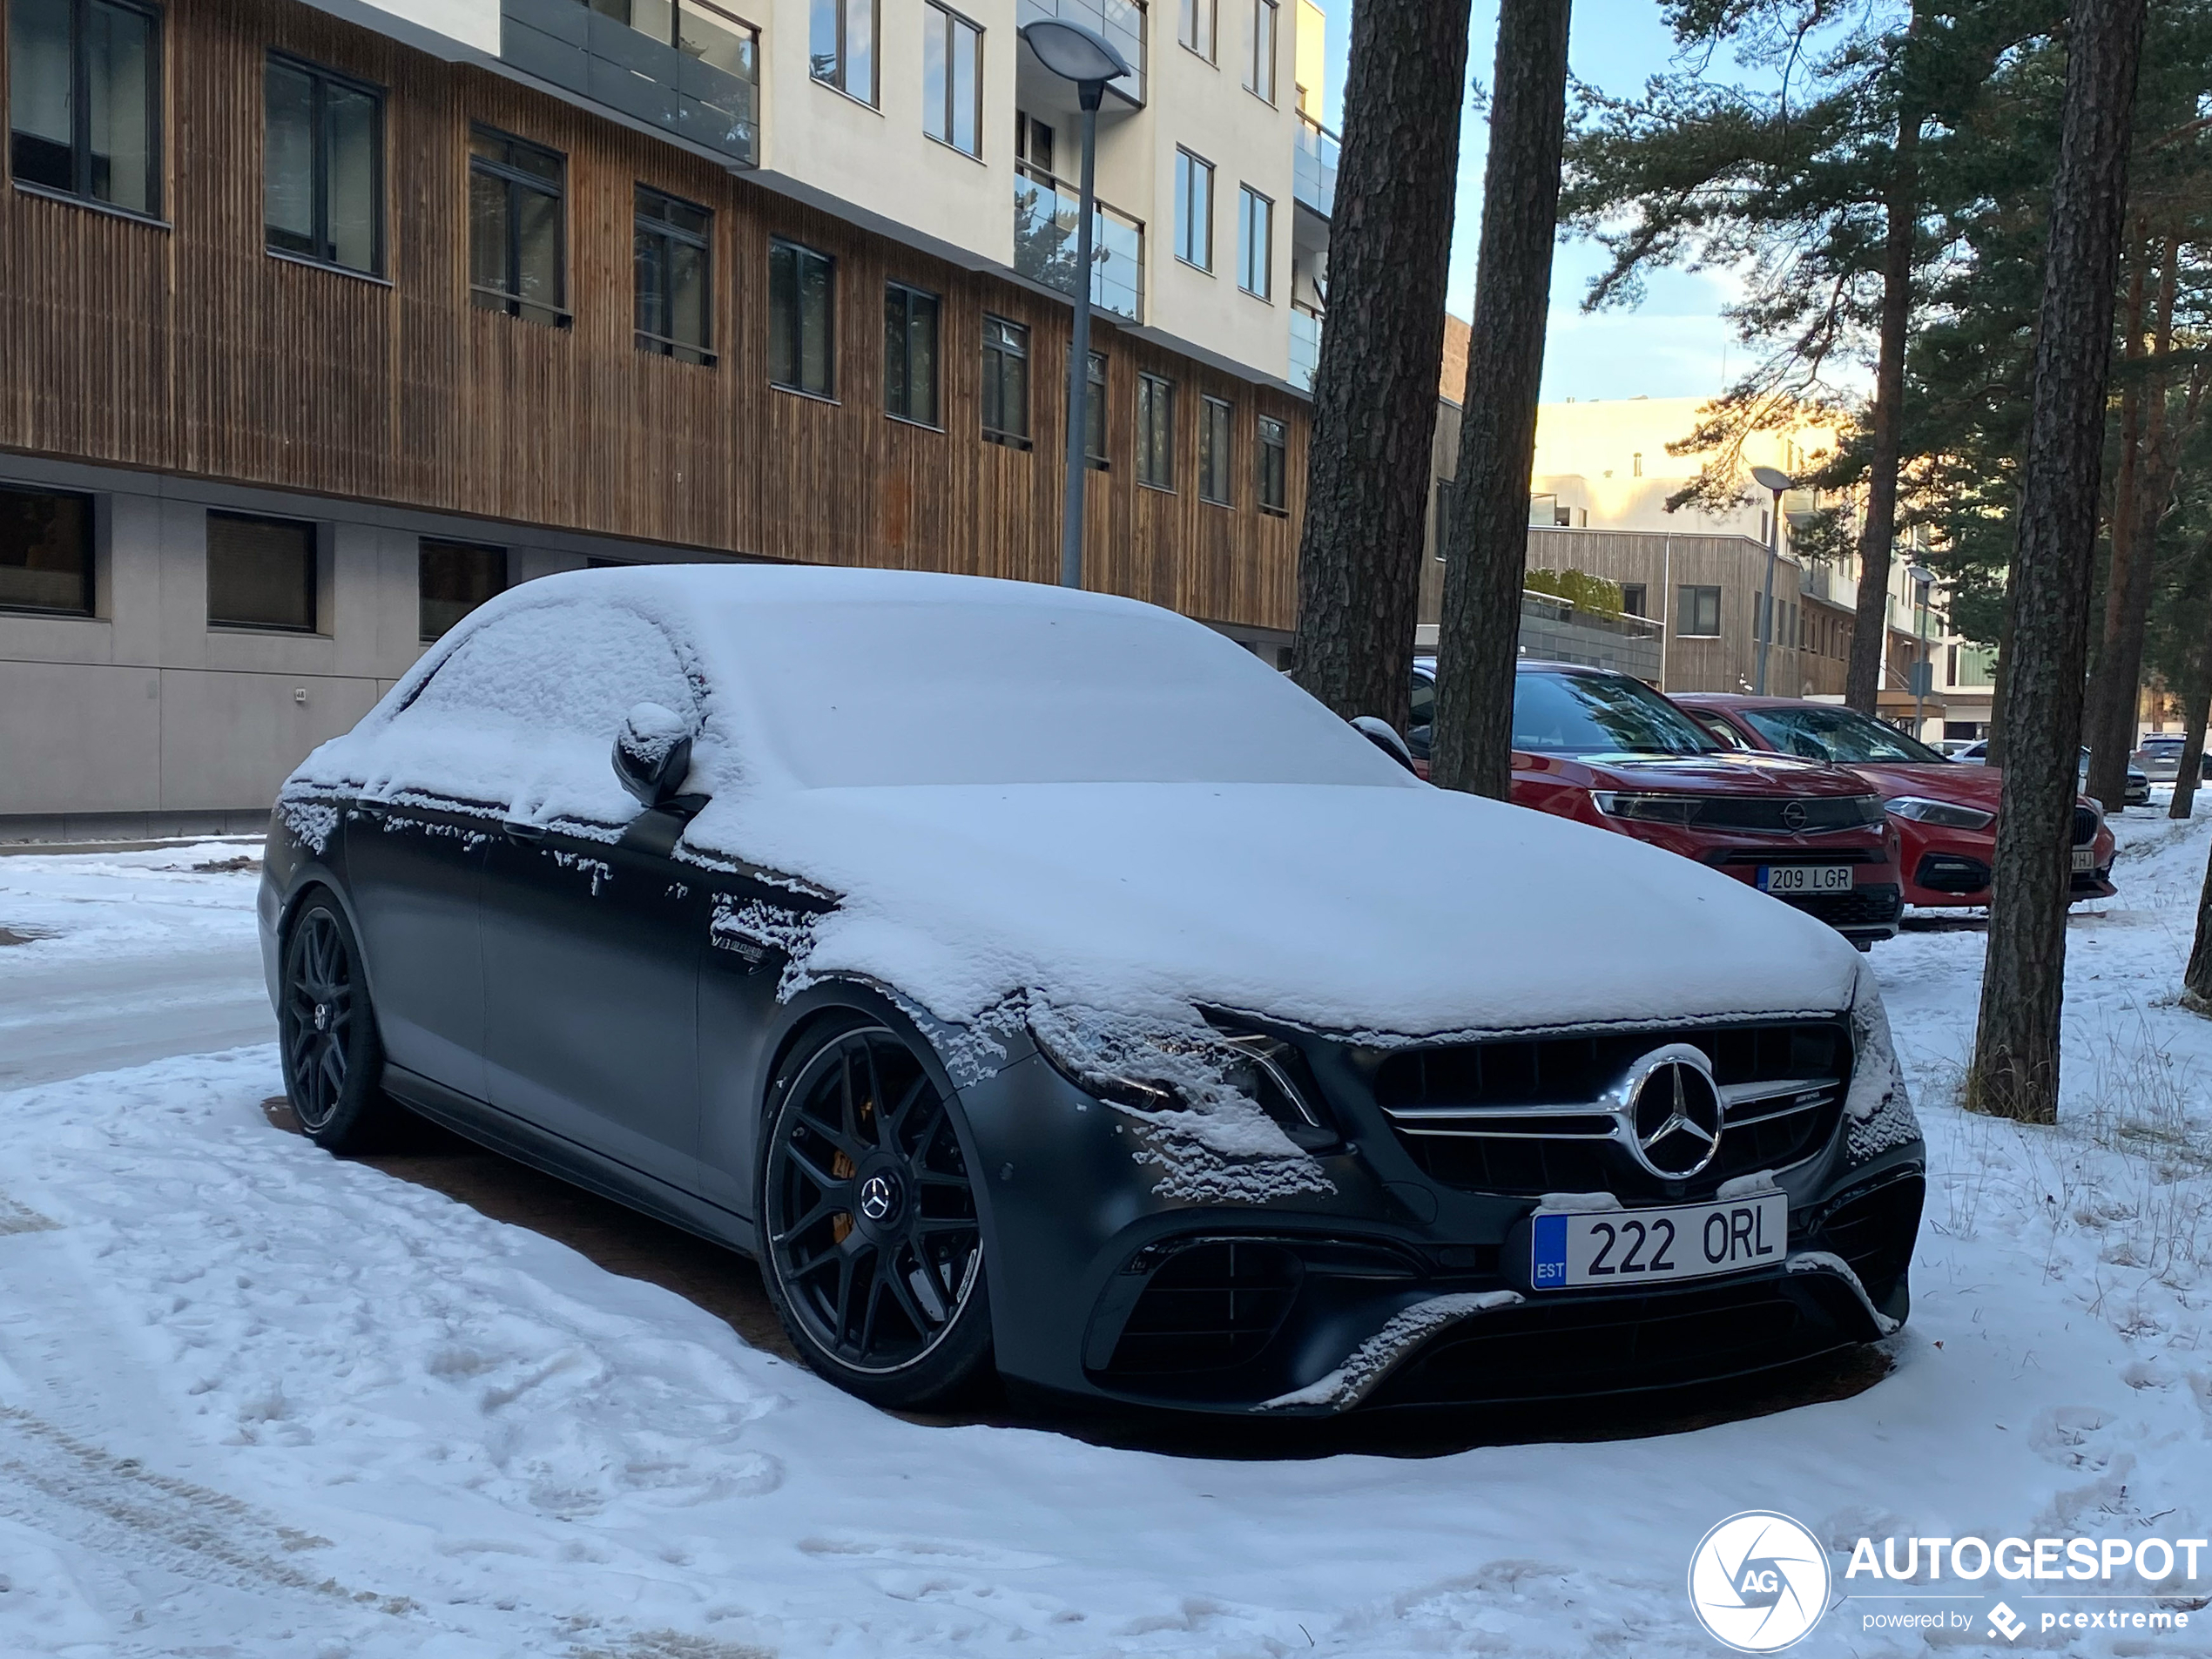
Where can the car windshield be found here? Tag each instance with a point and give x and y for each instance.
(1580, 714)
(1843, 736)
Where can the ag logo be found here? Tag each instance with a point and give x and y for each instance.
(1758, 1581)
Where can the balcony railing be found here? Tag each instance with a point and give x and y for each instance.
(684, 66)
(1306, 347)
(1313, 174)
(1046, 215)
(1122, 22)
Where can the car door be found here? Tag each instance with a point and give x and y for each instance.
(592, 932)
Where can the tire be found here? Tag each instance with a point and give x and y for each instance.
(333, 1058)
(872, 1248)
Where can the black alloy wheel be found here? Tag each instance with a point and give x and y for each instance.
(872, 1242)
(326, 1032)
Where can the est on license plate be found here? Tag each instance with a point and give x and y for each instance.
(1805, 878)
(2085, 859)
(1571, 1251)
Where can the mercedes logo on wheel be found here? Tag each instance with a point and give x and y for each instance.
(1674, 1111)
(878, 1197)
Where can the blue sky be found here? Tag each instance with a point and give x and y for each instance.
(1674, 344)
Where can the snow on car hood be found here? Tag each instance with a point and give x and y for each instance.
(1343, 908)
(1013, 790)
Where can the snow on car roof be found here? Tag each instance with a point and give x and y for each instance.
(1015, 789)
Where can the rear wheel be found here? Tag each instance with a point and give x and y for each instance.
(327, 1033)
(871, 1239)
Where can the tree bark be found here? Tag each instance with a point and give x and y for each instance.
(1870, 625)
(2015, 1070)
(1478, 643)
(1375, 392)
(2196, 704)
(2196, 978)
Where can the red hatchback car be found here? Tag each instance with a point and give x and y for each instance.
(1946, 814)
(1607, 749)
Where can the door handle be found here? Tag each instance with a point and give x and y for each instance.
(528, 834)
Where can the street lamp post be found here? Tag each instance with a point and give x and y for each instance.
(1924, 670)
(1075, 53)
(1778, 481)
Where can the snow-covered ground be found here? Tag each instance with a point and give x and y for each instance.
(257, 1402)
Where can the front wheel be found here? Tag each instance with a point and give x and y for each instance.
(327, 1034)
(871, 1238)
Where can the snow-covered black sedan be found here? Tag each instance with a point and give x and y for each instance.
(1037, 980)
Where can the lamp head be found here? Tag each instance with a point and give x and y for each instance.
(1075, 53)
(1772, 478)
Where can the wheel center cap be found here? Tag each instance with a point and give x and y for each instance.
(322, 1016)
(879, 1198)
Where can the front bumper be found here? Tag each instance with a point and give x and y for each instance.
(1102, 1287)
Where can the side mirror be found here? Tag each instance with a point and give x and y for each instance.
(1378, 731)
(653, 753)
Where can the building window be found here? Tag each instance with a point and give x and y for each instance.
(515, 231)
(1195, 30)
(323, 185)
(84, 93)
(1095, 411)
(952, 79)
(1033, 141)
(1006, 382)
(1632, 600)
(260, 573)
(45, 552)
(456, 577)
(1155, 432)
(910, 353)
(802, 318)
(674, 259)
(1699, 614)
(1213, 451)
(1193, 210)
(1273, 478)
(1255, 242)
(1259, 49)
(1635, 465)
(840, 44)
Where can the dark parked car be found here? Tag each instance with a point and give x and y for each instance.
(1946, 814)
(2160, 760)
(1606, 749)
(1034, 979)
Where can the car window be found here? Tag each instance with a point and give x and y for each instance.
(1726, 735)
(1600, 714)
(1843, 736)
(1424, 702)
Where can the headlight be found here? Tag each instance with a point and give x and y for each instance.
(1215, 1072)
(1647, 809)
(1921, 810)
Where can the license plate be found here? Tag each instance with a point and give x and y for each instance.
(1576, 1250)
(1805, 878)
(2085, 860)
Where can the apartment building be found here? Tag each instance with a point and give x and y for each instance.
(321, 322)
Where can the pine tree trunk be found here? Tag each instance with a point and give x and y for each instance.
(1375, 394)
(1870, 625)
(2196, 704)
(2196, 978)
(2016, 1071)
(1478, 643)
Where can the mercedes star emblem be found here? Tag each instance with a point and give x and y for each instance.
(878, 1197)
(1674, 1110)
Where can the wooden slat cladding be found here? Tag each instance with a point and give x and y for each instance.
(191, 349)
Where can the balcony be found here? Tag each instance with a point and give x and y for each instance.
(1313, 173)
(1306, 347)
(1046, 211)
(684, 66)
(1122, 22)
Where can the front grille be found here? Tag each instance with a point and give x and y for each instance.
(1867, 907)
(1543, 1349)
(1213, 1304)
(1948, 873)
(1784, 815)
(2085, 826)
(1502, 1152)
